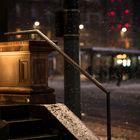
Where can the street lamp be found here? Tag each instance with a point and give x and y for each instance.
(36, 24)
(123, 30)
(124, 38)
(81, 26)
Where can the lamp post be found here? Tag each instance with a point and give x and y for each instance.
(124, 38)
(36, 25)
(123, 30)
(71, 48)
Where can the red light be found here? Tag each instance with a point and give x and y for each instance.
(126, 11)
(127, 25)
(112, 1)
(119, 26)
(112, 13)
(112, 27)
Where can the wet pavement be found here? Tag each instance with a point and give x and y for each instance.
(125, 106)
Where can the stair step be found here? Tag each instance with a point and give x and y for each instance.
(23, 120)
(32, 122)
(26, 127)
(38, 137)
(9, 112)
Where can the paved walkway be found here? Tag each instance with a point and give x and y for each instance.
(125, 106)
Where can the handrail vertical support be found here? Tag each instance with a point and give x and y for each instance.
(108, 111)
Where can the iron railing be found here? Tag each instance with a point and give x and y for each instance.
(73, 63)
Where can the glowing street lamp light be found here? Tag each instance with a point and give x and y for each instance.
(124, 29)
(81, 26)
(36, 24)
(124, 38)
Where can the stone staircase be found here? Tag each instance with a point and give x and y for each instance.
(29, 122)
(44, 122)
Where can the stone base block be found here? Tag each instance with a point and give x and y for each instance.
(21, 96)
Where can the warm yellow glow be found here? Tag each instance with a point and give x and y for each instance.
(14, 44)
(49, 34)
(127, 43)
(121, 56)
(18, 36)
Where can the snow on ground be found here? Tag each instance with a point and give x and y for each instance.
(125, 104)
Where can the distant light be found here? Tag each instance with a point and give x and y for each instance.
(36, 23)
(127, 25)
(81, 26)
(124, 29)
(121, 56)
(124, 62)
(82, 44)
(98, 55)
(112, 1)
(126, 11)
(119, 26)
(119, 61)
(18, 35)
(128, 63)
(112, 13)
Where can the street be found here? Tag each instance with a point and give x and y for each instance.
(125, 104)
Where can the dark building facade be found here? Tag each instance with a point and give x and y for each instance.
(136, 23)
(24, 15)
(102, 20)
(120, 31)
(91, 12)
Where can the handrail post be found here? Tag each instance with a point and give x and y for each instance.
(72, 62)
(108, 113)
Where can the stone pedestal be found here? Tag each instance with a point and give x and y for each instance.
(24, 72)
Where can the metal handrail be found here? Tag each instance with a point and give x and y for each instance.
(73, 63)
